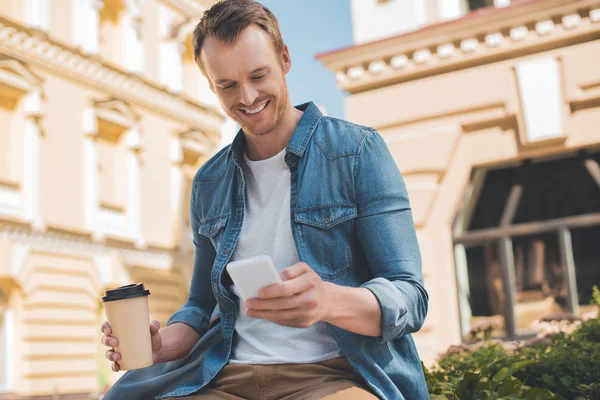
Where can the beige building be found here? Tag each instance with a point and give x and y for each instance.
(493, 115)
(104, 119)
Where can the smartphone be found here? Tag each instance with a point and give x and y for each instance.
(252, 274)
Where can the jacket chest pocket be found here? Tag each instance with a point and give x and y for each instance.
(214, 229)
(327, 234)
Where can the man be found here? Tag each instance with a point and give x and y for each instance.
(323, 198)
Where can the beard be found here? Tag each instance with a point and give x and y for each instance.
(278, 103)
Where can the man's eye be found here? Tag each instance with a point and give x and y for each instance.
(257, 78)
(228, 86)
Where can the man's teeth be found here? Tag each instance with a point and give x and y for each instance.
(256, 110)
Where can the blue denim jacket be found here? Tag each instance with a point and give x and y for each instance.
(352, 223)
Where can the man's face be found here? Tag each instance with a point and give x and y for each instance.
(249, 79)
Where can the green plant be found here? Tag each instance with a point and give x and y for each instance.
(595, 296)
(566, 366)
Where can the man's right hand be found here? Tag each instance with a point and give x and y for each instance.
(111, 342)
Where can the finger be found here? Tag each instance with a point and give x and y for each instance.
(295, 271)
(110, 341)
(115, 367)
(106, 328)
(112, 355)
(306, 299)
(299, 284)
(154, 327)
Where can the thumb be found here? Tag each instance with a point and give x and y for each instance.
(294, 271)
(154, 327)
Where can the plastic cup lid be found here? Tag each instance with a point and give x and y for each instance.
(126, 292)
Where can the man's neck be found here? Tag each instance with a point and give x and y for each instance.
(267, 146)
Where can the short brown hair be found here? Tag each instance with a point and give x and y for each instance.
(225, 20)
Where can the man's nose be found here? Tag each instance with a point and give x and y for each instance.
(248, 95)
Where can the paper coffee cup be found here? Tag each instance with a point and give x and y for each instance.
(128, 315)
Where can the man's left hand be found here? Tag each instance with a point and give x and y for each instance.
(300, 301)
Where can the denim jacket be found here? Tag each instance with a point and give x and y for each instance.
(352, 223)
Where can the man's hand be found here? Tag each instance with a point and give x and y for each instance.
(300, 301)
(110, 341)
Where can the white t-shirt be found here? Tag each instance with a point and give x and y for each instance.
(266, 230)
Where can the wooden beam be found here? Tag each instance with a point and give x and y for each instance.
(594, 169)
(510, 209)
(479, 237)
(509, 281)
(566, 255)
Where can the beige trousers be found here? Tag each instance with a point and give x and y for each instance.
(332, 380)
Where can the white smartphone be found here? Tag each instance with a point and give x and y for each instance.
(252, 274)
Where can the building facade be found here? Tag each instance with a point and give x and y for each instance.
(491, 110)
(104, 119)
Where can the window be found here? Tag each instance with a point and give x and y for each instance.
(37, 13)
(86, 24)
(112, 171)
(171, 49)
(120, 33)
(20, 105)
(529, 248)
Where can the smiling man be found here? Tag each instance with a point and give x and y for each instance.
(324, 199)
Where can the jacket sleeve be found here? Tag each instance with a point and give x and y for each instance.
(387, 235)
(197, 310)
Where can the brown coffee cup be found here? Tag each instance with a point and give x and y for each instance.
(128, 315)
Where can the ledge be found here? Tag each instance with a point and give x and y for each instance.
(481, 37)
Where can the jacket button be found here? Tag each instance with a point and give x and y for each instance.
(226, 251)
(327, 220)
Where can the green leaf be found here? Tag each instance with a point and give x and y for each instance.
(511, 386)
(467, 386)
(539, 394)
(438, 397)
(567, 381)
(502, 374)
(522, 364)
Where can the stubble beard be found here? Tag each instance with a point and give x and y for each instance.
(279, 110)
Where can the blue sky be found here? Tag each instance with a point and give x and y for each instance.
(310, 27)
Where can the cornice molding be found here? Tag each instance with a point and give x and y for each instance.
(476, 39)
(79, 245)
(30, 47)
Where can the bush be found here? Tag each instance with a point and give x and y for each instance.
(565, 366)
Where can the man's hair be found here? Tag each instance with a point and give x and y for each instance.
(225, 20)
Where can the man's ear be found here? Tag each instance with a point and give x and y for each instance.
(286, 60)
